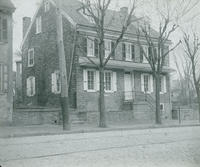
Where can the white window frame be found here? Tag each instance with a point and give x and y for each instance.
(29, 58)
(89, 50)
(46, 5)
(107, 52)
(29, 81)
(55, 77)
(111, 84)
(94, 89)
(96, 81)
(145, 49)
(38, 24)
(150, 83)
(163, 84)
(128, 51)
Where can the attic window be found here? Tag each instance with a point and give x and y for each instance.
(46, 6)
(86, 14)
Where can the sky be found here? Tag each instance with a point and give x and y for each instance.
(28, 8)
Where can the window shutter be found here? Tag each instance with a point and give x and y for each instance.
(124, 51)
(164, 84)
(151, 83)
(112, 49)
(0, 29)
(141, 55)
(133, 52)
(114, 81)
(85, 82)
(53, 82)
(28, 86)
(96, 46)
(142, 82)
(33, 85)
(85, 46)
(97, 80)
(133, 81)
(5, 79)
(5, 29)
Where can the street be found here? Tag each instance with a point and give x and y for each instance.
(174, 147)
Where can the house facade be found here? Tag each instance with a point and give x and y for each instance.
(129, 84)
(6, 95)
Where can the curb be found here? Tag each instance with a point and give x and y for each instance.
(97, 130)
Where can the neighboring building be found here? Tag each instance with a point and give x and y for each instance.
(128, 80)
(6, 82)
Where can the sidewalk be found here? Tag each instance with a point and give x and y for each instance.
(40, 130)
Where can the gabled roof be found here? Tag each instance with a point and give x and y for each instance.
(6, 4)
(113, 19)
(71, 9)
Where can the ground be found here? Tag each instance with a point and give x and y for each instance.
(161, 147)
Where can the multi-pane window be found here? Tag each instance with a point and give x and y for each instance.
(30, 57)
(163, 84)
(56, 82)
(3, 29)
(90, 47)
(107, 45)
(46, 6)
(128, 51)
(3, 78)
(38, 24)
(146, 83)
(91, 79)
(31, 86)
(108, 81)
(144, 51)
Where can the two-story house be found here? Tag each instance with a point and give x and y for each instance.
(6, 97)
(128, 80)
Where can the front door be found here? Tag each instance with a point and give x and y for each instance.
(127, 86)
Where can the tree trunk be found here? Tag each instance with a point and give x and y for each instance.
(157, 95)
(198, 99)
(102, 119)
(65, 113)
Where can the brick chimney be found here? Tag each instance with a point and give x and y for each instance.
(124, 11)
(26, 23)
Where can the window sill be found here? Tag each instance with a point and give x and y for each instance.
(91, 91)
(31, 65)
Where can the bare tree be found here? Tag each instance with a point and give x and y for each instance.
(186, 85)
(191, 46)
(97, 11)
(158, 42)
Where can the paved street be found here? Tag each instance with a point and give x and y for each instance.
(174, 147)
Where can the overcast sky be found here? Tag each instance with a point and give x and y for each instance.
(28, 8)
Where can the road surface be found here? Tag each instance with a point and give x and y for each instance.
(164, 147)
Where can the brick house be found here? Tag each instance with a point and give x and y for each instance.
(129, 84)
(6, 97)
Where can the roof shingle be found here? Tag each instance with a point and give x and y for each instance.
(7, 4)
(113, 19)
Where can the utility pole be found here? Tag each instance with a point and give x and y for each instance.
(64, 99)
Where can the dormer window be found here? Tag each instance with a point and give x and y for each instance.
(38, 24)
(46, 6)
(3, 29)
